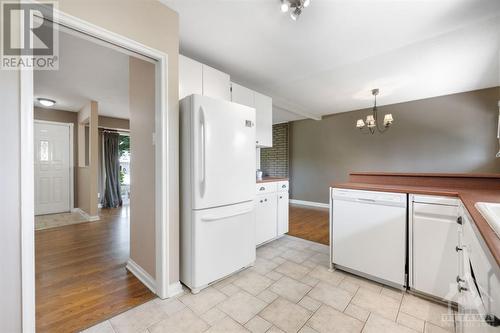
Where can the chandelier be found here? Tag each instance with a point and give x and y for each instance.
(295, 7)
(371, 122)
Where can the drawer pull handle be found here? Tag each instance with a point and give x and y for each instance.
(460, 279)
(461, 288)
(281, 197)
(261, 201)
(492, 320)
(458, 248)
(459, 220)
(265, 200)
(283, 186)
(262, 188)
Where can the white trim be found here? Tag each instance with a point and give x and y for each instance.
(175, 289)
(71, 157)
(309, 203)
(141, 274)
(27, 204)
(162, 222)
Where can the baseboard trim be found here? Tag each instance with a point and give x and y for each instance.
(142, 275)
(85, 215)
(309, 203)
(175, 289)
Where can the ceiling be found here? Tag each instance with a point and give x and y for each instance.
(329, 60)
(88, 70)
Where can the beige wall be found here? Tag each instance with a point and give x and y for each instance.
(454, 133)
(145, 21)
(142, 164)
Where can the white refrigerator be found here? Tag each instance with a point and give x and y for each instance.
(217, 169)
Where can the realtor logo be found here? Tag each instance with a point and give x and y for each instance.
(28, 36)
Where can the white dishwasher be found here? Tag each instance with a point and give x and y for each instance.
(369, 234)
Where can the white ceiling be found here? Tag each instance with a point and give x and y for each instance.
(329, 60)
(87, 71)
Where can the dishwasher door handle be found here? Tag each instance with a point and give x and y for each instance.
(366, 200)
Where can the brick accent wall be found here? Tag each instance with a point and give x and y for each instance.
(275, 161)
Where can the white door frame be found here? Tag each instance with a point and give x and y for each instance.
(71, 158)
(162, 287)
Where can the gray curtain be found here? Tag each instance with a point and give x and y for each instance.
(112, 197)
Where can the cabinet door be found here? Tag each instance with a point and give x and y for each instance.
(190, 77)
(282, 212)
(266, 218)
(216, 84)
(242, 95)
(434, 260)
(264, 120)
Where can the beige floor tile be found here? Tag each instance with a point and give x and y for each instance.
(293, 270)
(322, 273)
(309, 264)
(310, 303)
(104, 327)
(279, 260)
(428, 311)
(364, 283)
(297, 256)
(229, 290)
(275, 276)
(264, 266)
(286, 315)
(290, 289)
(377, 324)
(349, 286)
(431, 328)
(258, 325)
(321, 248)
(274, 329)
(309, 280)
(252, 282)
(321, 259)
(227, 325)
(298, 245)
(242, 306)
(331, 295)
(268, 252)
(391, 292)
(224, 282)
(410, 322)
(376, 303)
(357, 312)
(138, 318)
(329, 320)
(307, 329)
(184, 321)
(213, 315)
(267, 296)
(203, 301)
(170, 305)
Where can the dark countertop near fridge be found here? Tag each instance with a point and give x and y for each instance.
(271, 179)
(470, 188)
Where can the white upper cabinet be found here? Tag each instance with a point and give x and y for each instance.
(190, 77)
(216, 84)
(242, 95)
(264, 120)
(263, 112)
(197, 78)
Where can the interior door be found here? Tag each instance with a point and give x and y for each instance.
(223, 136)
(52, 168)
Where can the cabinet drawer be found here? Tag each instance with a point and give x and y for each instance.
(265, 187)
(283, 186)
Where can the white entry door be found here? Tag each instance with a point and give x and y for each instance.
(52, 167)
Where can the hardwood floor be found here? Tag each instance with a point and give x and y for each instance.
(309, 223)
(80, 274)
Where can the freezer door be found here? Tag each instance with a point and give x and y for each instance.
(223, 148)
(223, 242)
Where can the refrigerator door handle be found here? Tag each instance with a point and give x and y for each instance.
(210, 218)
(203, 152)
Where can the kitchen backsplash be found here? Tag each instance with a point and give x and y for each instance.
(274, 161)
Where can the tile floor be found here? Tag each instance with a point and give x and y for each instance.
(289, 290)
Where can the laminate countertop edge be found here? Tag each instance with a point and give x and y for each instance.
(469, 198)
(271, 180)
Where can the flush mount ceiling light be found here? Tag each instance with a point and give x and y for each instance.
(46, 102)
(295, 7)
(371, 122)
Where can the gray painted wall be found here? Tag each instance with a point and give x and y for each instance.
(454, 133)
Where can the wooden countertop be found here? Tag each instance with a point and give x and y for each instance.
(271, 179)
(464, 186)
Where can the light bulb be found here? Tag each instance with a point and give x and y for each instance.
(295, 13)
(370, 121)
(388, 119)
(284, 6)
(306, 3)
(46, 102)
(360, 123)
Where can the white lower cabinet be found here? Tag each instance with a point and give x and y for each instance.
(433, 259)
(271, 211)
